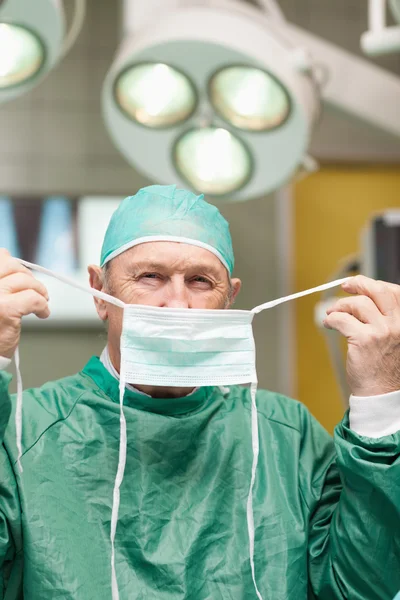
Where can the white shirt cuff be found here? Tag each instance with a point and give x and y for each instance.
(4, 363)
(375, 416)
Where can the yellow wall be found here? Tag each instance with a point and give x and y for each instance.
(330, 209)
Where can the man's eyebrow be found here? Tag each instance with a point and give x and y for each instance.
(147, 265)
(151, 265)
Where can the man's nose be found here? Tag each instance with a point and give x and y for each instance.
(177, 295)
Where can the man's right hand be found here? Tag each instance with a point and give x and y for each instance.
(21, 294)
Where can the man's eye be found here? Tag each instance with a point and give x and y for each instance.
(150, 276)
(201, 280)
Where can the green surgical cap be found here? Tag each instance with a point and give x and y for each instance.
(165, 213)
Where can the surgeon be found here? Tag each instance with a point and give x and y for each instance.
(326, 513)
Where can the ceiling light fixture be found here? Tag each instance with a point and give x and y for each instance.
(33, 40)
(253, 74)
(210, 95)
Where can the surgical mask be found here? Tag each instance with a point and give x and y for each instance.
(180, 348)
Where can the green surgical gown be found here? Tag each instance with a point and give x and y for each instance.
(327, 514)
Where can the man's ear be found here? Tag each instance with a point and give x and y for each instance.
(96, 280)
(236, 285)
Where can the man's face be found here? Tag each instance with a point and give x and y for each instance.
(171, 275)
(163, 274)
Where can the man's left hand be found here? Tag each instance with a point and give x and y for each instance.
(370, 320)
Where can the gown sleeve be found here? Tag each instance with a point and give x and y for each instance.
(353, 495)
(10, 511)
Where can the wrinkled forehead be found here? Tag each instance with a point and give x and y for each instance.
(172, 256)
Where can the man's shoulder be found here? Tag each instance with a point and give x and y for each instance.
(63, 388)
(277, 408)
(281, 409)
(46, 405)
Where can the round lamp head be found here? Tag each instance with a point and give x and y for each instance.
(249, 98)
(214, 160)
(31, 36)
(207, 98)
(155, 95)
(21, 55)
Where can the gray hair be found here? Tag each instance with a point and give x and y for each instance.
(107, 277)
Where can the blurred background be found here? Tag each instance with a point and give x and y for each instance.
(287, 116)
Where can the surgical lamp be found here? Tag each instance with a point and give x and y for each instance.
(209, 95)
(33, 40)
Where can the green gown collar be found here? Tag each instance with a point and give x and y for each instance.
(169, 406)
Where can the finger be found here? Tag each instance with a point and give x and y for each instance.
(10, 265)
(18, 282)
(345, 324)
(361, 307)
(24, 303)
(385, 295)
(30, 302)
